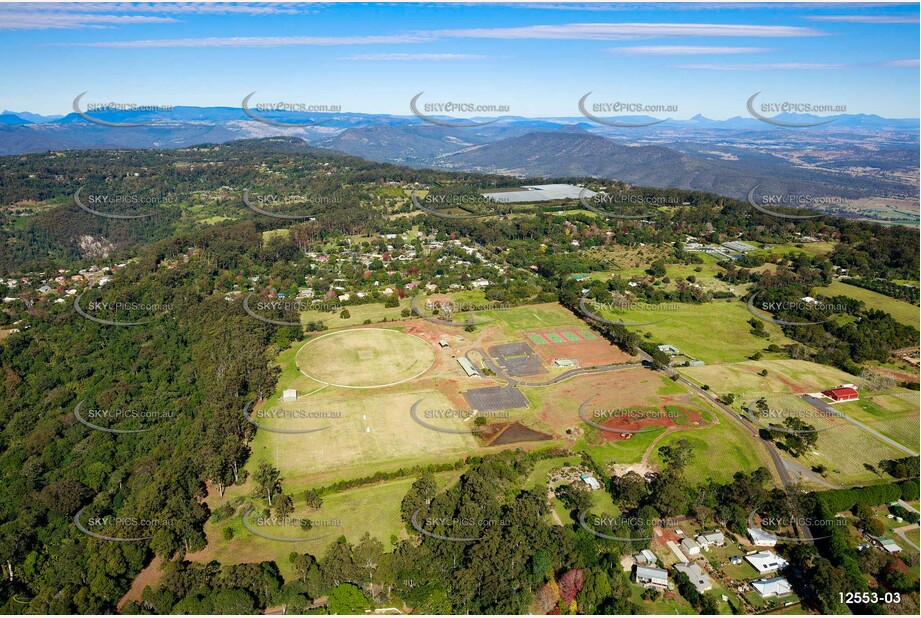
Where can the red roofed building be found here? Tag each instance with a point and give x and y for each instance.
(844, 393)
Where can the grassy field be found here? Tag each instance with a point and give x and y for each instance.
(374, 509)
(894, 414)
(718, 452)
(809, 248)
(538, 476)
(548, 315)
(365, 357)
(845, 451)
(901, 311)
(783, 376)
(704, 274)
(279, 233)
(372, 433)
(668, 603)
(624, 451)
(694, 329)
(376, 312)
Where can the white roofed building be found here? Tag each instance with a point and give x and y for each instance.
(766, 561)
(771, 587)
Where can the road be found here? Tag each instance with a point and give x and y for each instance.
(901, 532)
(825, 408)
(782, 473)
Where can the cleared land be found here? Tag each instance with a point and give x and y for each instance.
(783, 376)
(374, 509)
(364, 358)
(901, 311)
(714, 332)
(376, 312)
(894, 414)
(374, 433)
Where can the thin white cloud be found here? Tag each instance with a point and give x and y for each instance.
(616, 31)
(60, 15)
(779, 66)
(415, 57)
(259, 41)
(684, 50)
(909, 63)
(867, 19)
(39, 20)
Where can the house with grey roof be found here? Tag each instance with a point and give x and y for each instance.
(651, 577)
(696, 574)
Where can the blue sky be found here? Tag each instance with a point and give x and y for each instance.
(538, 59)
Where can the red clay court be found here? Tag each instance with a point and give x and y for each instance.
(579, 344)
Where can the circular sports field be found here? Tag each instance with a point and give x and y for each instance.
(365, 358)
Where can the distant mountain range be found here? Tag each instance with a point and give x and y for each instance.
(872, 156)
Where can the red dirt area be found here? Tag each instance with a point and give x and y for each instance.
(628, 388)
(664, 535)
(147, 577)
(589, 353)
(622, 423)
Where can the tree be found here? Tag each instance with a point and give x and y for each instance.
(303, 563)
(268, 481)
(233, 601)
(709, 605)
(630, 489)
(418, 496)
(346, 599)
(283, 506)
(676, 455)
(313, 499)
(344, 314)
(367, 555)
